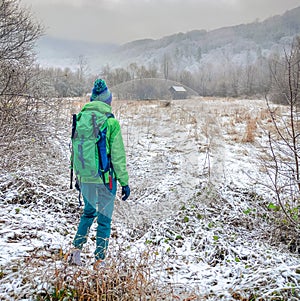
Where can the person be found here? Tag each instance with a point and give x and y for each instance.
(99, 192)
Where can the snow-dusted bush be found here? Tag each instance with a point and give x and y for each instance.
(18, 106)
(283, 165)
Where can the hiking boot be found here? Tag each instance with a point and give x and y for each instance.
(74, 258)
(99, 264)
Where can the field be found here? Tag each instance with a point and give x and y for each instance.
(197, 225)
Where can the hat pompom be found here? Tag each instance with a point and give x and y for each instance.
(100, 92)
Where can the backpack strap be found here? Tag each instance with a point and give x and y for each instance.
(104, 159)
(109, 115)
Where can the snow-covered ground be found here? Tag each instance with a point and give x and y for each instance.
(197, 212)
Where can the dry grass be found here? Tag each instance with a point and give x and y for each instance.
(122, 279)
(250, 131)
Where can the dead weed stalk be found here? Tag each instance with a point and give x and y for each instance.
(122, 279)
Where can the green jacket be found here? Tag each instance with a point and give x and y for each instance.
(114, 144)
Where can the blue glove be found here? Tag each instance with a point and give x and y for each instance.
(125, 192)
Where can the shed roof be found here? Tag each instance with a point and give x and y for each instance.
(178, 88)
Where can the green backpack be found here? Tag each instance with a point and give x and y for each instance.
(89, 158)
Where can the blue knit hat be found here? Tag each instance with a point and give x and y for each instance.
(100, 92)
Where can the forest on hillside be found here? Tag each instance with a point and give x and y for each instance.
(234, 61)
(255, 78)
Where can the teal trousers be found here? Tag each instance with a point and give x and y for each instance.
(99, 205)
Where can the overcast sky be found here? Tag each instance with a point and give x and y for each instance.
(121, 21)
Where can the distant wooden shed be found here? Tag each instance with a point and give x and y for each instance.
(178, 92)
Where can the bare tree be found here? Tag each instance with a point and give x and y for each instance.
(18, 34)
(165, 66)
(284, 141)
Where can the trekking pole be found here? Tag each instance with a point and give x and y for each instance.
(72, 154)
(71, 177)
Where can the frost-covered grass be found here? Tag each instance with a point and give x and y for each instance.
(196, 227)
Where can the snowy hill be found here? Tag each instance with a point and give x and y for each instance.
(241, 44)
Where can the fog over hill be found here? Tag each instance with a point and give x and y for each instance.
(241, 45)
(54, 52)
